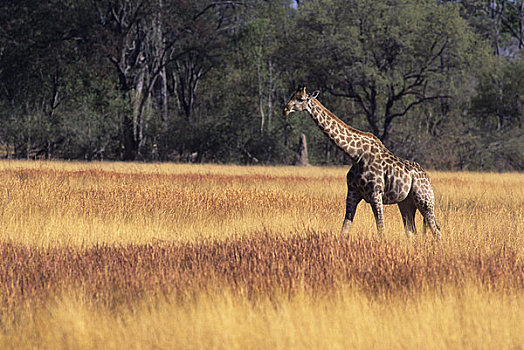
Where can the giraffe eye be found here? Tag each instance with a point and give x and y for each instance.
(300, 99)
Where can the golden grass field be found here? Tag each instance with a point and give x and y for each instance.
(166, 256)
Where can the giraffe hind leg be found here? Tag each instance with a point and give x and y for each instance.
(429, 220)
(425, 203)
(408, 210)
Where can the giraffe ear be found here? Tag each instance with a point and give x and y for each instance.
(314, 94)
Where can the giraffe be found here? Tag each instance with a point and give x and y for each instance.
(377, 175)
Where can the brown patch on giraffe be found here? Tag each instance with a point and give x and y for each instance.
(375, 168)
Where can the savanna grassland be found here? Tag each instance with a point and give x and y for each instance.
(163, 256)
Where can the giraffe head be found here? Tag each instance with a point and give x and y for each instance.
(298, 102)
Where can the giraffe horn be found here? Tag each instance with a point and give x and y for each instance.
(314, 94)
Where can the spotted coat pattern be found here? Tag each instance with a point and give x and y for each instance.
(377, 176)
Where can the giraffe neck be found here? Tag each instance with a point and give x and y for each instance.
(352, 141)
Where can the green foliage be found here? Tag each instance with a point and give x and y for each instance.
(388, 57)
(205, 81)
(499, 99)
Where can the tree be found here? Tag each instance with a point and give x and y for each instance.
(507, 22)
(149, 42)
(499, 100)
(387, 57)
(40, 55)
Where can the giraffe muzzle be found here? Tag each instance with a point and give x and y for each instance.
(286, 111)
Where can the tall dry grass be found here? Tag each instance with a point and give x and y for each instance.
(114, 255)
(348, 319)
(46, 205)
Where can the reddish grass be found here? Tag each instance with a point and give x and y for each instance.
(316, 263)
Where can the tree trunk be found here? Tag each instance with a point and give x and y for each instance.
(260, 99)
(164, 141)
(521, 24)
(303, 158)
(270, 94)
(128, 140)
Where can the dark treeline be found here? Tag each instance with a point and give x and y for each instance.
(439, 82)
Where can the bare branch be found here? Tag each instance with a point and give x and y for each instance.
(217, 4)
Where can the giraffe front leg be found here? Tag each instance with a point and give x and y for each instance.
(378, 211)
(352, 201)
